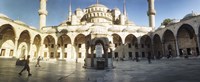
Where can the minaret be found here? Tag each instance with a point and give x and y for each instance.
(124, 8)
(42, 13)
(151, 13)
(70, 11)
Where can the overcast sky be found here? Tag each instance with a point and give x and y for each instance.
(27, 10)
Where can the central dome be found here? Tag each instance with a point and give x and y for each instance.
(97, 13)
(97, 5)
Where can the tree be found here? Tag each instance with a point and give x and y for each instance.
(166, 22)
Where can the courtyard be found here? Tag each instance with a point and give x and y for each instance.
(164, 70)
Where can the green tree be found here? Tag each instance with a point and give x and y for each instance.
(166, 22)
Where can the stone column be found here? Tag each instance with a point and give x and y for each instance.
(30, 49)
(40, 50)
(15, 49)
(153, 50)
(198, 44)
(163, 49)
(177, 48)
(55, 51)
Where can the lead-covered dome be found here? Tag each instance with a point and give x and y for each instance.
(97, 13)
(190, 15)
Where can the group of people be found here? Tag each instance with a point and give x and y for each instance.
(27, 67)
(136, 58)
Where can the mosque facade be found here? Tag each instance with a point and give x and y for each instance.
(99, 29)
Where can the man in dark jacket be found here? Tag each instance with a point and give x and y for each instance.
(26, 67)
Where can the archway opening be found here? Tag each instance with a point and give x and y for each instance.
(187, 40)
(169, 39)
(158, 49)
(7, 40)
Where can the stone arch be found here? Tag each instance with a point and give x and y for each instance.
(24, 41)
(169, 40)
(22, 50)
(80, 47)
(49, 46)
(130, 40)
(187, 40)
(117, 40)
(7, 40)
(146, 45)
(36, 45)
(64, 46)
(157, 44)
(24, 37)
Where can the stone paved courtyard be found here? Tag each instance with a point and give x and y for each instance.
(165, 70)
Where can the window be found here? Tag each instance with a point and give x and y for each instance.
(130, 54)
(65, 55)
(46, 45)
(11, 53)
(148, 45)
(116, 54)
(52, 55)
(142, 45)
(79, 55)
(79, 45)
(65, 45)
(115, 45)
(2, 52)
(58, 56)
(143, 54)
(136, 45)
(45, 54)
(58, 45)
(129, 45)
(136, 54)
(52, 45)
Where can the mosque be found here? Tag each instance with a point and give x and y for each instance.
(96, 34)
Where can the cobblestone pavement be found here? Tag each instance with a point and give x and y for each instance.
(165, 70)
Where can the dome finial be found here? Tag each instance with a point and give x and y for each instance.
(97, 1)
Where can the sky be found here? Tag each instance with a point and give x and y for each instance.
(27, 10)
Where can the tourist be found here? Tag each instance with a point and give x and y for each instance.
(149, 58)
(26, 67)
(38, 62)
(136, 58)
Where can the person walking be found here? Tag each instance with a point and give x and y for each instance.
(38, 62)
(149, 58)
(26, 67)
(136, 58)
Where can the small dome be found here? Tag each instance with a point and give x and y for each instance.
(190, 15)
(130, 29)
(32, 27)
(99, 29)
(174, 21)
(97, 5)
(71, 28)
(162, 26)
(78, 9)
(116, 9)
(81, 29)
(142, 30)
(2, 15)
(115, 29)
(51, 31)
(20, 22)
